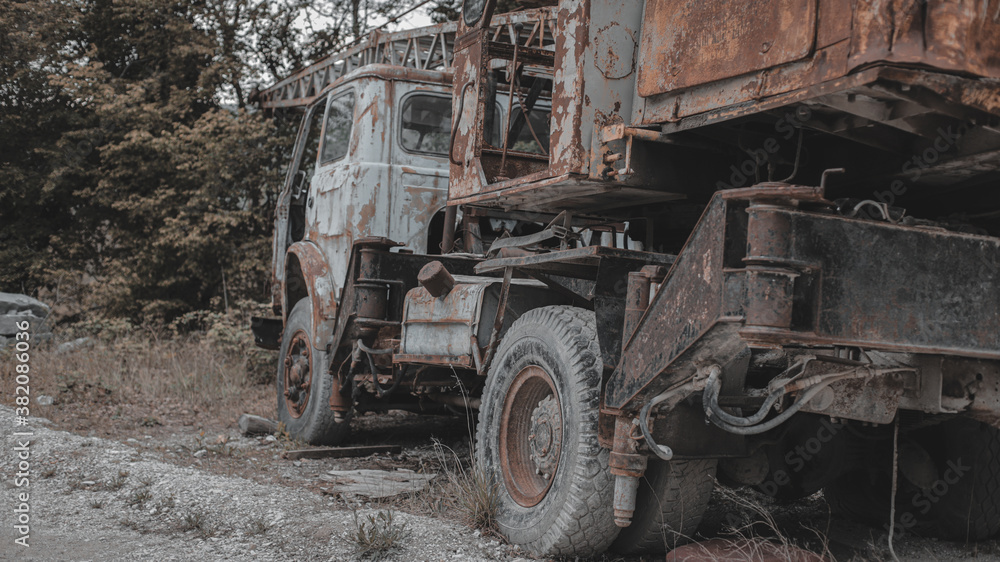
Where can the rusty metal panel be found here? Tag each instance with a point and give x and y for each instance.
(882, 286)
(445, 325)
(961, 35)
(690, 42)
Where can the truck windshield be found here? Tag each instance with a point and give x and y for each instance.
(339, 120)
(426, 124)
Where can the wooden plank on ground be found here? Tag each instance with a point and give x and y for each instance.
(342, 452)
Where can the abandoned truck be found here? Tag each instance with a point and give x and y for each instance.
(657, 245)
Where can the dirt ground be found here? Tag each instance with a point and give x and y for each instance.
(143, 481)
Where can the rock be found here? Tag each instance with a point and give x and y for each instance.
(200, 453)
(15, 309)
(45, 400)
(12, 303)
(78, 343)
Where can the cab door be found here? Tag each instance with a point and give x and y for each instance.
(422, 132)
(290, 212)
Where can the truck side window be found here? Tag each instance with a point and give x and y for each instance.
(310, 149)
(339, 120)
(426, 124)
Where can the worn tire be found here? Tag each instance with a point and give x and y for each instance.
(860, 496)
(307, 415)
(671, 500)
(549, 362)
(963, 504)
(967, 453)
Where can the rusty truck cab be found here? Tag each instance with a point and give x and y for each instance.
(370, 160)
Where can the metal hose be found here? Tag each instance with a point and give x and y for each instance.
(713, 410)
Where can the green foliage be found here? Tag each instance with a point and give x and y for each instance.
(128, 187)
(136, 180)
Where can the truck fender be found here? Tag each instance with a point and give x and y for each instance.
(307, 275)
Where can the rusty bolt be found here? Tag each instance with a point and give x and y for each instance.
(288, 361)
(436, 279)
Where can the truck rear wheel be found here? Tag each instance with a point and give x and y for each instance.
(671, 500)
(304, 385)
(538, 435)
(962, 503)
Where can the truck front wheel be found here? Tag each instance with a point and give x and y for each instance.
(304, 384)
(538, 435)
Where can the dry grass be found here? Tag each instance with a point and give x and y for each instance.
(473, 493)
(760, 536)
(209, 371)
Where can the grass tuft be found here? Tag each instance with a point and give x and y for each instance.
(476, 496)
(258, 526)
(197, 521)
(139, 497)
(376, 534)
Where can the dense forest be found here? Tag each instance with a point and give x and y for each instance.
(137, 180)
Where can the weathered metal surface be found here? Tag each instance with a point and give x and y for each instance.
(879, 285)
(962, 35)
(637, 296)
(377, 189)
(530, 436)
(628, 466)
(442, 326)
(297, 374)
(425, 48)
(872, 400)
(584, 261)
(690, 42)
(444, 330)
(435, 278)
(810, 278)
(695, 315)
(952, 36)
(397, 273)
(607, 267)
(313, 274)
(592, 74)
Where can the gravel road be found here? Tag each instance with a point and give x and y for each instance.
(161, 498)
(97, 499)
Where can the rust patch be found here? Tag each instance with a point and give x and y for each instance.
(691, 42)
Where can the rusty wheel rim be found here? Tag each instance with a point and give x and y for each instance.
(297, 374)
(530, 436)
